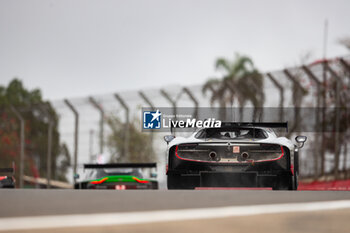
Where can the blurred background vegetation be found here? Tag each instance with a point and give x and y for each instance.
(37, 114)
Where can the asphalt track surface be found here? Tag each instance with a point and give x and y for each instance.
(31, 202)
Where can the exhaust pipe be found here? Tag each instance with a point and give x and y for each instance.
(243, 157)
(213, 155)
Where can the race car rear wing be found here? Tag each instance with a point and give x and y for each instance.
(280, 125)
(120, 165)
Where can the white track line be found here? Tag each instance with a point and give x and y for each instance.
(108, 219)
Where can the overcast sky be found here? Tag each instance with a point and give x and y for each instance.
(78, 48)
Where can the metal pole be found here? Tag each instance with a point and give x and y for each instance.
(337, 119)
(145, 98)
(333, 73)
(295, 81)
(100, 109)
(324, 99)
(325, 36)
(76, 134)
(22, 140)
(314, 79)
(172, 102)
(324, 107)
(347, 68)
(126, 133)
(345, 65)
(345, 158)
(49, 155)
(281, 90)
(91, 142)
(45, 110)
(189, 93)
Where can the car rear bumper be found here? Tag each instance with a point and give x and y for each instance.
(235, 179)
(117, 185)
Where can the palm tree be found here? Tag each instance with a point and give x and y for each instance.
(241, 81)
(217, 95)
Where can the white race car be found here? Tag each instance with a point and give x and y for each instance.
(234, 155)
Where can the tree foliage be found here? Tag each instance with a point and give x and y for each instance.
(241, 82)
(35, 111)
(345, 41)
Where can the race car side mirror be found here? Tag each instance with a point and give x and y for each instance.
(168, 138)
(300, 140)
(76, 176)
(154, 175)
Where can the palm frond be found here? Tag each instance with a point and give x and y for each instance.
(223, 64)
(241, 81)
(209, 84)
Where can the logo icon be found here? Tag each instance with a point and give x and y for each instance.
(152, 119)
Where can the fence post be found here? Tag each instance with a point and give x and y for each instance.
(102, 117)
(22, 140)
(126, 132)
(194, 100)
(91, 143)
(314, 79)
(146, 99)
(337, 119)
(76, 134)
(172, 102)
(345, 65)
(347, 68)
(45, 110)
(296, 108)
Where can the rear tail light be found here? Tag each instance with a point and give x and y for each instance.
(99, 181)
(140, 181)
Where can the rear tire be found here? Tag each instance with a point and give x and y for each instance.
(285, 182)
(154, 185)
(295, 181)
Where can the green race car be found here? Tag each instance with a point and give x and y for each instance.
(120, 176)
